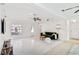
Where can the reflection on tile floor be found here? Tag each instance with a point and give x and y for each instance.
(32, 47)
(66, 48)
(74, 50)
(36, 47)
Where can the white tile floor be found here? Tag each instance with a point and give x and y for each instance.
(74, 50)
(32, 47)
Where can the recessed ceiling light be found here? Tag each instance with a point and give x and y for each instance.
(74, 21)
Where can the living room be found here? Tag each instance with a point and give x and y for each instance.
(34, 29)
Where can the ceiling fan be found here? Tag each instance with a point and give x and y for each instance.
(71, 9)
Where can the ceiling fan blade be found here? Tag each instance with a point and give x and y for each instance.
(70, 8)
(76, 11)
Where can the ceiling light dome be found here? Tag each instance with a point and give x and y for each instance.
(74, 20)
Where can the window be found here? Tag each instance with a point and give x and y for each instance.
(16, 29)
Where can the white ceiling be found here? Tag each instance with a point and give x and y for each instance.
(57, 7)
(43, 9)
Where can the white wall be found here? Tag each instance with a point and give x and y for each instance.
(26, 28)
(22, 14)
(74, 29)
(51, 27)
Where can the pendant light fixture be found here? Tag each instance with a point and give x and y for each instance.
(36, 18)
